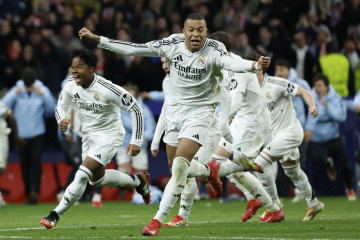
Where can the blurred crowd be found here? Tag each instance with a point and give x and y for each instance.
(314, 36)
(41, 34)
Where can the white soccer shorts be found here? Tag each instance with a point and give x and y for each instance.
(285, 144)
(4, 150)
(190, 122)
(101, 148)
(204, 155)
(138, 162)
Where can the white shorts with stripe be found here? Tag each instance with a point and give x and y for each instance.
(190, 122)
(286, 143)
(101, 148)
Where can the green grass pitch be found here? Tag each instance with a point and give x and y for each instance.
(208, 220)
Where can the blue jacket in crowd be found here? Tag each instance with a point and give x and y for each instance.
(31, 109)
(149, 125)
(325, 126)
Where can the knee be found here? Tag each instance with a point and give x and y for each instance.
(83, 173)
(97, 183)
(293, 172)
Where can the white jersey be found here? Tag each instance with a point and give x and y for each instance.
(4, 130)
(278, 93)
(193, 76)
(98, 108)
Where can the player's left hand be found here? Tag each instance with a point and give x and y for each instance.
(313, 111)
(264, 62)
(133, 150)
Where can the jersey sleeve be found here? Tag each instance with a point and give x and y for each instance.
(127, 102)
(157, 48)
(284, 86)
(227, 62)
(64, 103)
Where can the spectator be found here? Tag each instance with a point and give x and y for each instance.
(31, 101)
(241, 45)
(301, 58)
(325, 133)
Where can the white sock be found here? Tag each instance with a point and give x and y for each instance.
(174, 187)
(301, 182)
(198, 170)
(74, 191)
(255, 188)
(233, 178)
(267, 178)
(115, 178)
(228, 167)
(187, 198)
(96, 197)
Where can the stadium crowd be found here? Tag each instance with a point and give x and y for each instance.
(315, 36)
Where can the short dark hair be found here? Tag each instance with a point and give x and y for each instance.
(194, 16)
(283, 62)
(29, 76)
(321, 77)
(222, 37)
(86, 55)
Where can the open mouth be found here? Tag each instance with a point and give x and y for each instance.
(77, 79)
(195, 42)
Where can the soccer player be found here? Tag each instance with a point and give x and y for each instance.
(98, 102)
(195, 67)
(287, 137)
(6, 113)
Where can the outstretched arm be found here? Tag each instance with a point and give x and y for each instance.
(242, 65)
(150, 49)
(309, 99)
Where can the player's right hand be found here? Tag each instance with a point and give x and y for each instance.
(154, 152)
(85, 34)
(63, 125)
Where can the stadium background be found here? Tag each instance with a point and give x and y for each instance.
(48, 30)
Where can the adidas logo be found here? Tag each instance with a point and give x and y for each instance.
(196, 158)
(196, 136)
(76, 96)
(98, 156)
(178, 58)
(269, 148)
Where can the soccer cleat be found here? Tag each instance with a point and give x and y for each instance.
(213, 179)
(50, 220)
(250, 165)
(271, 217)
(330, 169)
(97, 204)
(143, 188)
(178, 221)
(351, 195)
(311, 212)
(251, 209)
(152, 229)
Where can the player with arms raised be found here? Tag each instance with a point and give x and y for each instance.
(195, 66)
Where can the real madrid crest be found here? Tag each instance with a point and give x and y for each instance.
(201, 61)
(96, 97)
(268, 95)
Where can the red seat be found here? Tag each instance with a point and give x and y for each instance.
(12, 181)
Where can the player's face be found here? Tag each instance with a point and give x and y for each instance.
(195, 34)
(164, 65)
(320, 88)
(282, 71)
(82, 73)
